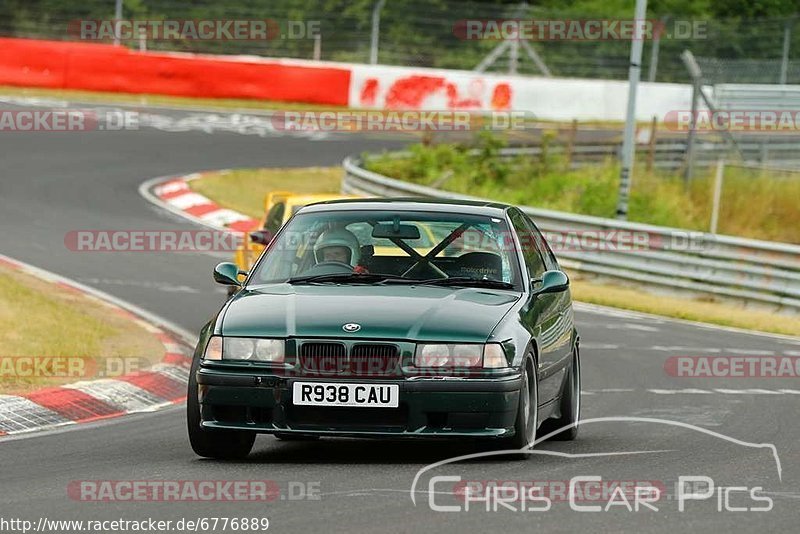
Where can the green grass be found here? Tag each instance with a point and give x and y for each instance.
(692, 309)
(35, 323)
(760, 205)
(39, 319)
(243, 190)
(163, 100)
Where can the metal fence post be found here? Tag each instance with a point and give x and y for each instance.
(376, 32)
(117, 18)
(651, 75)
(651, 145)
(696, 75)
(717, 195)
(317, 47)
(513, 57)
(628, 142)
(573, 133)
(787, 39)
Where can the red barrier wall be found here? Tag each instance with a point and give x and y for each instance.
(99, 67)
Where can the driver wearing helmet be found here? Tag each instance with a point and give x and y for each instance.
(338, 245)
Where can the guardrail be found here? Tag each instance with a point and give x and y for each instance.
(767, 97)
(749, 269)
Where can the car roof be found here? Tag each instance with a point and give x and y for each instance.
(312, 198)
(472, 207)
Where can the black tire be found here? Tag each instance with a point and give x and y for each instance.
(216, 444)
(570, 406)
(526, 423)
(295, 437)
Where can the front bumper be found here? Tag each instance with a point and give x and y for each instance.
(429, 407)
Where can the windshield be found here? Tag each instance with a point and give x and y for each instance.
(362, 246)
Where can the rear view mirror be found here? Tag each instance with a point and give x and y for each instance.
(395, 231)
(227, 273)
(553, 282)
(262, 237)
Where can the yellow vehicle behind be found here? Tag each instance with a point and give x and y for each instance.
(279, 206)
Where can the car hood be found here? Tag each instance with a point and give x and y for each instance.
(419, 313)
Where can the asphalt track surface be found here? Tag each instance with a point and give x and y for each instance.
(55, 182)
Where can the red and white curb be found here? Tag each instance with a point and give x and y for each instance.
(161, 385)
(173, 193)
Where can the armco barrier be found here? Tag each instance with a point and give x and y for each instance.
(748, 269)
(99, 67)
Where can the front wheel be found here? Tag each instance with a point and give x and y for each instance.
(216, 444)
(527, 419)
(570, 405)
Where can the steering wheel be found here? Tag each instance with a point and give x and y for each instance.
(329, 267)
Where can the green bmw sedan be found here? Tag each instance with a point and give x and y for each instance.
(355, 322)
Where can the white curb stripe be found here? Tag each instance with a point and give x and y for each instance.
(171, 187)
(18, 414)
(224, 217)
(188, 200)
(122, 395)
(175, 372)
(174, 348)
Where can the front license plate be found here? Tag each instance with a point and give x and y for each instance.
(359, 395)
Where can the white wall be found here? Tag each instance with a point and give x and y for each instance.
(379, 87)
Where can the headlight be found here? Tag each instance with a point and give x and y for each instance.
(432, 356)
(270, 350)
(429, 355)
(238, 348)
(466, 355)
(246, 348)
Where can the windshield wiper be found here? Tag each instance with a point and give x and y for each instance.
(379, 279)
(467, 282)
(344, 278)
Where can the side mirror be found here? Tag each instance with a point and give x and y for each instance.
(553, 282)
(262, 237)
(227, 273)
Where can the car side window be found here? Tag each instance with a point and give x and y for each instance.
(549, 258)
(534, 262)
(274, 219)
